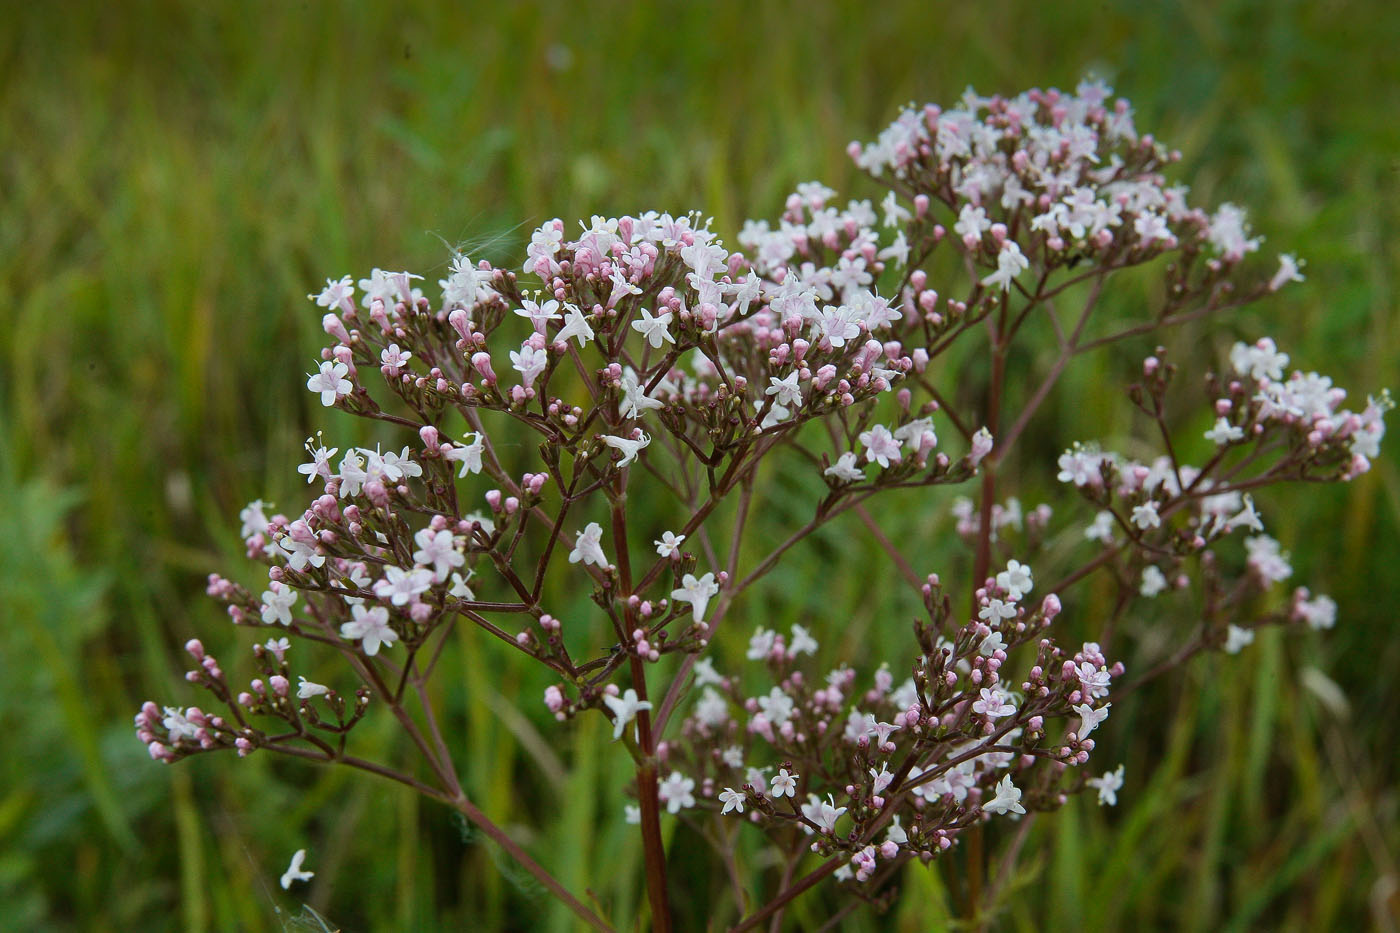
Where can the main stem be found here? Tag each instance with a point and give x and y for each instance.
(981, 565)
(654, 850)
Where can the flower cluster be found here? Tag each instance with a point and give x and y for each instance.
(641, 357)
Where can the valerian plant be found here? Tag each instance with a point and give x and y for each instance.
(644, 360)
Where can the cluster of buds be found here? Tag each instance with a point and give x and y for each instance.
(644, 358)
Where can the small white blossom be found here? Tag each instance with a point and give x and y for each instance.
(330, 382)
(732, 800)
(294, 871)
(675, 792)
(1108, 786)
(624, 710)
(669, 544)
(1224, 432)
(307, 690)
(371, 628)
(587, 547)
(1236, 639)
(1007, 799)
(784, 784)
(697, 592)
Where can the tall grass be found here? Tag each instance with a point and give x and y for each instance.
(176, 176)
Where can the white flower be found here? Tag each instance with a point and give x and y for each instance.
(777, 706)
(1015, 579)
(529, 362)
(337, 294)
(624, 710)
(320, 462)
(1246, 517)
(1224, 432)
(330, 381)
(656, 330)
(399, 585)
(1145, 516)
(675, 792)
(632, 813)
(760, 644)
(1237, 638)
(1288, 267)
(669, 544)
(468, 455)
(294, 871)
(801, 642)
(307, 690)
(1101, 528)
(277, 604)
(844, 470)
(993, 704)
(459, 589)
(1319, 613)
(575, 325)
(880, 445)
(1153, 581)
(1089, 718)
(1010, 263)
(697, 592)
(732, 800)
(1108, 786)
(629, 446)
(982, 443)
(634, 400)
(1007, 799)
(538, 314)
(587, 548)
(370, 627)
(278, 647)
(972, 223)
(787, 390)
(784, 784)
(824, 813)
(394, 358)
(438, 548)
(704, 671)
(253, 518)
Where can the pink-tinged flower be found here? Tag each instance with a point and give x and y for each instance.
(676, 792)
(370, 627)
(588, 547)
(277, 603)
(732, 799)
(399, 585)
(439, 549)
(1089, 718)
(330, 381)
(1010, 263)
(993, 704)
(880, 446)
(337, 294)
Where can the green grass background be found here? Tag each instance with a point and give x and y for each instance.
(175, 177)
